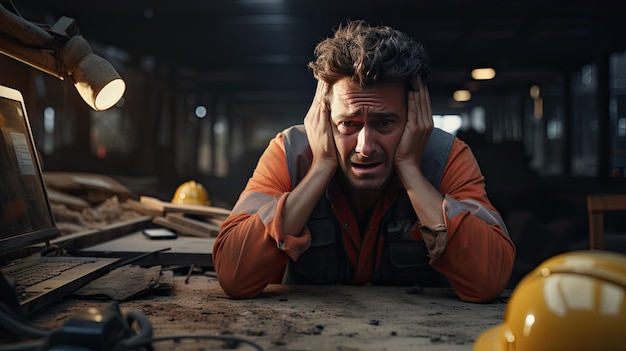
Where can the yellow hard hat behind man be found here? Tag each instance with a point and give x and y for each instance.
(572, 301)
(191, 193)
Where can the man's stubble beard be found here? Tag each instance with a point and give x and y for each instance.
(363, 183)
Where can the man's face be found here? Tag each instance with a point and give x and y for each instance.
(367, 126)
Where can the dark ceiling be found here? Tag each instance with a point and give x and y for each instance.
(264, 45)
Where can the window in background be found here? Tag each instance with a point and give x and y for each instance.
(551, 121)
(585, 128)
(617, 113)
(478, 120)
(220, 131)
(48, 130)
(554, 129)
(205, 139)
(109, 133)
(449, 123)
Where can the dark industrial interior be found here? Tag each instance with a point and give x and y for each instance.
(244, 63)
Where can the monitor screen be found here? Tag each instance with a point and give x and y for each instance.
(25, 214)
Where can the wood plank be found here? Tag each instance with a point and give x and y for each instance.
(200, 210)
(181, 228)
(608, 202)
(73, 202)
(143, 209)
(196, 224)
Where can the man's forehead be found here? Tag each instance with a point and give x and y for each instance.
(348, 93)
(347, 85)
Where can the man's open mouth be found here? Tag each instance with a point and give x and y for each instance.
(367, 165)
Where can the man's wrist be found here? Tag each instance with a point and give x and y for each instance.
(435, 238)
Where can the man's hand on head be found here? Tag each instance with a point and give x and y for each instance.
(419, 126)
(319, 130)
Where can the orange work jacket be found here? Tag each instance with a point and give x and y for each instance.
(251, 250)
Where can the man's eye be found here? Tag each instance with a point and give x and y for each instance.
(385, 123)
(348, 127)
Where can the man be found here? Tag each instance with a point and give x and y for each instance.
(367, 190)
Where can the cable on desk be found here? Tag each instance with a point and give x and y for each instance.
(142, 340)
(7, 322)
(189, 273)
(145, 330)
(137, 258)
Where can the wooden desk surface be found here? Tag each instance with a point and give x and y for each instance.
(295, 317)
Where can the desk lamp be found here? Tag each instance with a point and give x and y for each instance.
(62, 52)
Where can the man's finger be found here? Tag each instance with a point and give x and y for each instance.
(320, 91)
(412, 107)
(425, 115)
(318, 104)
(322, 94)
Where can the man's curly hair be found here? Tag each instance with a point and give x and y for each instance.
(370, 54)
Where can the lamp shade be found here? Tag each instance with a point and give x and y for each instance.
(97, 82)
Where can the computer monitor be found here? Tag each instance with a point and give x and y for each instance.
(25, 213)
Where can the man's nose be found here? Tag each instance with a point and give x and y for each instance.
(365, 141)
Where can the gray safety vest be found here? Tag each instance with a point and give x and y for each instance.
(404, 261)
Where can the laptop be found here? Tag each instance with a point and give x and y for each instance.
(26, 219)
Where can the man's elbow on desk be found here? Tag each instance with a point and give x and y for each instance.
(484, 288)
(484, 295)
(241, 282)
(476, 277)
(237, 284)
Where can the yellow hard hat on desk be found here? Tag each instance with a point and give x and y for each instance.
(191, 193)
(572, 301)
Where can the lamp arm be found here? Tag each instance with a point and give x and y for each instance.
(43, 60)
(29, 43)
(26, 32)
